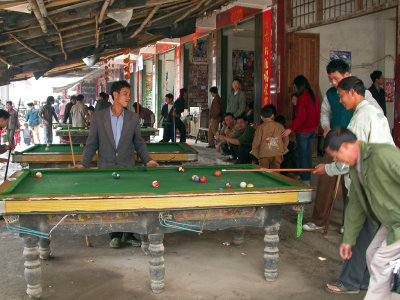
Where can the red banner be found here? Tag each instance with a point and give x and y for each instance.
(178, 68)
(236, 14)
(266, 58)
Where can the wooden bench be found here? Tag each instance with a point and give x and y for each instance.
(202, 133)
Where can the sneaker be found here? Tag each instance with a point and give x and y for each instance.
(115, 243)
(311, 227)
(134, 242)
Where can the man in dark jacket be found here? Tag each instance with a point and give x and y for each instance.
(216, 112)
(178, 108)
(67, 112)
(102, 102)
(376, 89)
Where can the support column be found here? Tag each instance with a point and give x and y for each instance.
(238, 236)
(396, 134)
(271, 241)
(44, 248)
(145, 243)
(157, 267)
(33, 271)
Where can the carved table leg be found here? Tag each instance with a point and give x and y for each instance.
(271, 240)
(145, 243)
(44, 248)
(157, 267)
(32, 266)
(238, 236)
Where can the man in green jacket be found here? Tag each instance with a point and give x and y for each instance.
(374, 192)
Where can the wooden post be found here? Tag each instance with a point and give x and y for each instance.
(396, 134)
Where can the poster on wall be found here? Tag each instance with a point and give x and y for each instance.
(389, 89)
(243, 68)
(200, 52)
(343, 55)
(148, 81)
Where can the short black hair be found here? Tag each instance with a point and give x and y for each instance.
(169, 96)
(135, 106)
(268, 110)
(214, 90)
(9, 102)
(117, 86)
(375, 75)
(30, 104)
(73, 97)
(243, 117)
(337, 136)
(91, 108)
(280, 119)
(4, 114)
(79, 97)
(237, 79)
(49, 99)
(354, 83)
(337, 65)
(229, 114)
(104, 96)
(182, 91)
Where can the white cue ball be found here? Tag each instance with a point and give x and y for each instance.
(243, 184)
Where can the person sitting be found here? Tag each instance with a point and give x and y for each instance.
(166, 118)
(102, 102)
(240, 144)
(145, 114)
(228, 129)
(268, 146)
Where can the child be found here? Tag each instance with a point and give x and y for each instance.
(28, 135)
(268, 145)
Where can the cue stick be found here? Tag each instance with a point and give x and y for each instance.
(268, 170)
(333, 203)
(12, 140)
(70, 144)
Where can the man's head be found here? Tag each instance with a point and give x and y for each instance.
(236, 83)
(9, 105)
(26, 125)
(31, 105)
(90, 109)
(241, 123)
(214, 91)
(342, 145)
(4, 115)
(135, 106)
(337, 69)
(268, 112)
(50, 100)
(376, 77)
(79, 97)
(121, 92)
(103, 96)
(169, 98)
(183, 93)
(73, 99)
(229, 120)
(351, 92)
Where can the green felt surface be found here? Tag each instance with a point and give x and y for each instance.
(139, 180)
(54, 148)
(73, 129)
(167, 147)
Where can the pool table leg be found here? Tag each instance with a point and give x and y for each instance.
(33, 271)
(44, 248)
(157, 267)
(271, 241)
(145, 243)
(238, 236)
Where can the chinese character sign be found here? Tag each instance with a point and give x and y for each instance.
(266, 58)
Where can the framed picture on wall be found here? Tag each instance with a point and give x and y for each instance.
(200, 52)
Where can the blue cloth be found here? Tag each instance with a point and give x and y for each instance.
(304, 153)
(116, 125)
(33, 117)
(340, 117)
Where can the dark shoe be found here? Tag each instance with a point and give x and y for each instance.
(115, 243)
(210, 146)
(134, 242)
(338, 288)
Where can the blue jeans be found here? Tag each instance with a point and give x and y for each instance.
(305, 143)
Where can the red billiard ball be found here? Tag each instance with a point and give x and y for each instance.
(217, 173)
(203, 179)
(155, 184)
(38, 175)
(228, 185)
(181, 170)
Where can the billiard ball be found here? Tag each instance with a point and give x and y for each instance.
(194, 176)
(181, 170)
(217, 173)
(197, 179)
(228, 185)
(243, 184)
(250, 185)
(113, 174)
(221, 189)
(38, 175)
(81, 145)
(117, 176)
(203, 179)
(155, 184)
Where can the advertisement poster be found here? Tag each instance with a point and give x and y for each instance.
(389, 89)
(200, 52)
(343, 55)
(148, 81)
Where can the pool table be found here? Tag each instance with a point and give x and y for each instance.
(59, 155)
(79, 135)
(72, 202)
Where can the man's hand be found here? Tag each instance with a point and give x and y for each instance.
(345, 251)
(320, 169)
(326, 130)
(78, 166)
(286, 132)
(10, 147)
(47, 123)
(152, 164)
(218, 148)
(222, 138)
(41, 125)
(3, 160)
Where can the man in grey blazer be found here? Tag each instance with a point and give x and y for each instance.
(115, 134)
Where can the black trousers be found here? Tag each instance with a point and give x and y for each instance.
(168, 134)
(242, 153)
(182, 130)
(128, 235)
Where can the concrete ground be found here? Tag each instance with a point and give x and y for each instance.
(197, 266)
